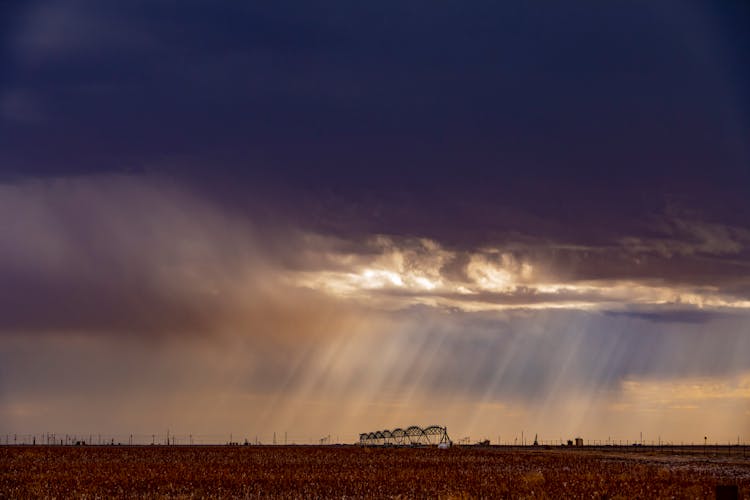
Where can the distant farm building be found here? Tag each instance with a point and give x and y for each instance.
(433, 435)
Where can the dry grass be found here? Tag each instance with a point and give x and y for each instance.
(349, 471)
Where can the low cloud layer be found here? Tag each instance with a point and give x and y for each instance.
(118, 253)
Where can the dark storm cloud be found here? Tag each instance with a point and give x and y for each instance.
(277, 148)
(361, 201)
(540, 107)
(566, 126)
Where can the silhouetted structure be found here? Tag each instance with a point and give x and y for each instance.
(413, 435)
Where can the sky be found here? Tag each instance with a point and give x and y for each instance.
(337, 217)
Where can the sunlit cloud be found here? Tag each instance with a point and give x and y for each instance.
(388, 271)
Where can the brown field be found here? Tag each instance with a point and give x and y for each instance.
(351, 471)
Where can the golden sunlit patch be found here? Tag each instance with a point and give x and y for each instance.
(681, 392)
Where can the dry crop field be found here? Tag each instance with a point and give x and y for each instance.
(351, 471)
